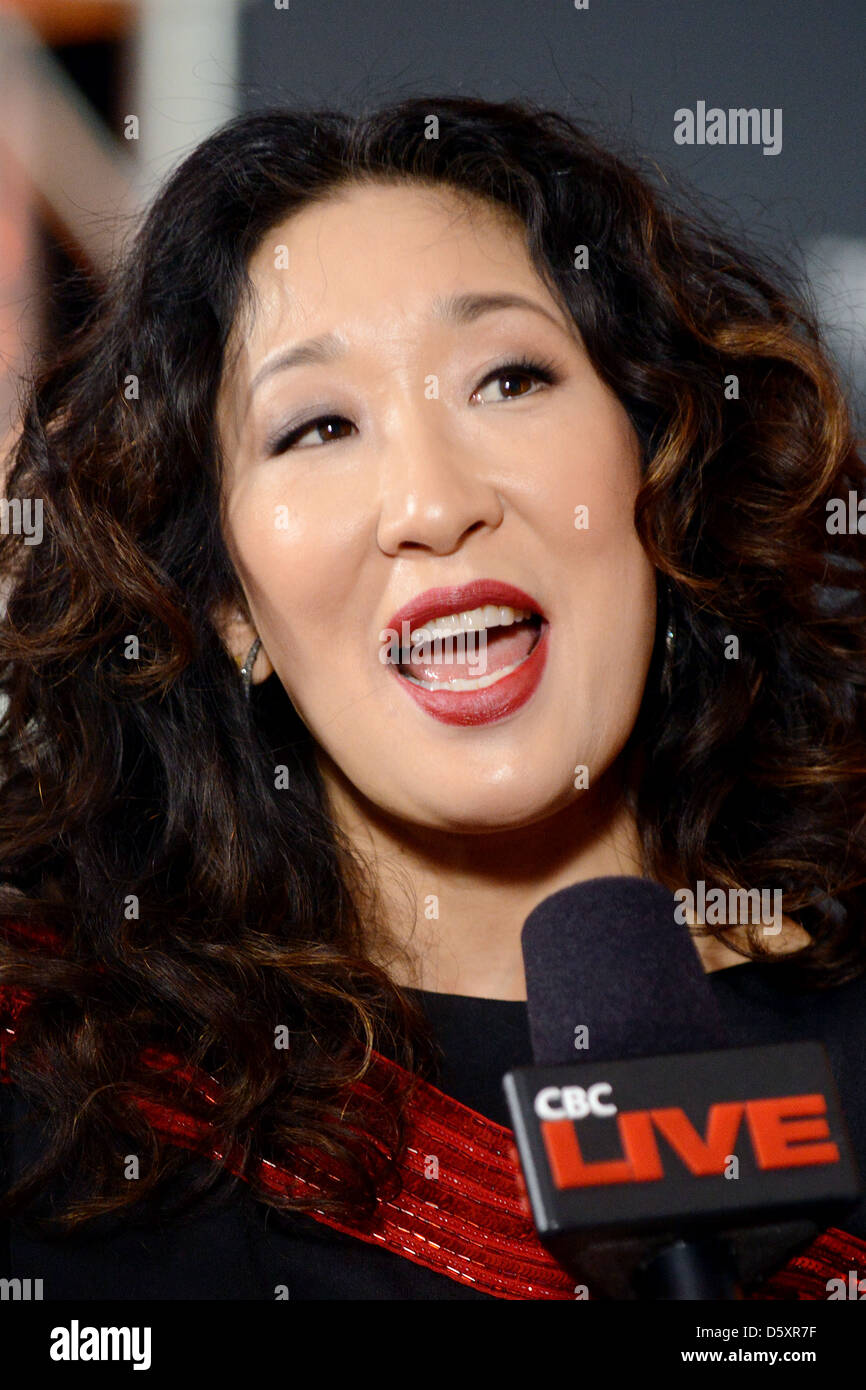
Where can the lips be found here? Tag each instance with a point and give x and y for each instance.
(488, 704)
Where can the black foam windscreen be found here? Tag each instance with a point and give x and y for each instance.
(610, 957)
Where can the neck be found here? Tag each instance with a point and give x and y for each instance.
(451, 907)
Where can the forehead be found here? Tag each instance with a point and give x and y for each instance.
(378, 250)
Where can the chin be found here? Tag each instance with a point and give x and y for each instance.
(489, 811)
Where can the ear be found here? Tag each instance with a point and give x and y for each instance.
(238, 635)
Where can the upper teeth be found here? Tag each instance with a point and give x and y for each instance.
(473, 620)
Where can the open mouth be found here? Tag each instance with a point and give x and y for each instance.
(471, 650)
(468, 654)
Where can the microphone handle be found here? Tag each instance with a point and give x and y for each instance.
(690, 1269)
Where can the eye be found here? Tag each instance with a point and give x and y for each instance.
(516, 378)
(324, 426)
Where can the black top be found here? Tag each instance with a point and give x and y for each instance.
(245, 1250)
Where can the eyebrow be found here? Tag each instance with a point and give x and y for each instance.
(454, 309)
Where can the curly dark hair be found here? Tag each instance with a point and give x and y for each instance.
(149, 781)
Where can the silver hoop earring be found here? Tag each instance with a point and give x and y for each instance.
(670, 647)
(247, 668)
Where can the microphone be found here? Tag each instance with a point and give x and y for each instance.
(663, 1163)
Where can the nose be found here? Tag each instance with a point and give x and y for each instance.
(434, 491)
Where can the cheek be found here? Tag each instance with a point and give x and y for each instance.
(584, 459)
(299, 562)
(605, 593)
(584, 507)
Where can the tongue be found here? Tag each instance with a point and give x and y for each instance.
(466, 658)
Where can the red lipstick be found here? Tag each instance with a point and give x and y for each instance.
(492, 702)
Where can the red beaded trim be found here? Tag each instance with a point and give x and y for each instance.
(834, 1255)
(468, 1220)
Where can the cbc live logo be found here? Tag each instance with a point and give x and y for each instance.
(783, 1132)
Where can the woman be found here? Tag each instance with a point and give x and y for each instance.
(262, 931)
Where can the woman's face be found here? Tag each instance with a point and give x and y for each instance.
(402, 455)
